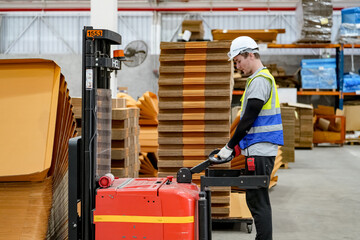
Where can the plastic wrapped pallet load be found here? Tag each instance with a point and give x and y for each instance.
(318, 73)
(350, 24)
(314, 20)
(351, 82)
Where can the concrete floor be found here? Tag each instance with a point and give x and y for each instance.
(317, 198)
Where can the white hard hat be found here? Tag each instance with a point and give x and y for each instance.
(242, 44)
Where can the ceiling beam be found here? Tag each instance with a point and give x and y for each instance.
(161, 5)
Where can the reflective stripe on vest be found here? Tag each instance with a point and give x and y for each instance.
(268, 125)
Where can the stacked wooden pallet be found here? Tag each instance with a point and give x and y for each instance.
(125, 142)
(194, 108)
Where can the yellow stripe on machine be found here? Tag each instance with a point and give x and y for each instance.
(142, 219)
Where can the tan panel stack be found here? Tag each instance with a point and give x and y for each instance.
(194, 108)
(148, 105)
(76, 102)
(125, 142)
(288, 122)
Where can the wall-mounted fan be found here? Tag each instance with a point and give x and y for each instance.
(135, 53)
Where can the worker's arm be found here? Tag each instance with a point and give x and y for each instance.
(258, 92)
(252, 111)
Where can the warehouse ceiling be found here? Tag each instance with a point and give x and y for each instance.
(168, 5)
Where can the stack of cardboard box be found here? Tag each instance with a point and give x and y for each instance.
(125, 132)
(303, 124)
(194, 108)
(125, 142)
(288, 121)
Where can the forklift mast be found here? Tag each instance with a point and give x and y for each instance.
(84, 167)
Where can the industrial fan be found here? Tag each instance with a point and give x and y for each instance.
(135, 53)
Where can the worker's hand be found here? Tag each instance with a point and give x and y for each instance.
(225, 152)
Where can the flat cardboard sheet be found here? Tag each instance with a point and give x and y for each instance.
(29, 91)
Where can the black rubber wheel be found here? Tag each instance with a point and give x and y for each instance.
(249, 228)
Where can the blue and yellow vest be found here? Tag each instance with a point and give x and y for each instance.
(268, 125)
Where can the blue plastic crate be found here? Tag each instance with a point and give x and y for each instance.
(350, 15)
(318, 73)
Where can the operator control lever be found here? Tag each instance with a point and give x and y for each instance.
(184, 175)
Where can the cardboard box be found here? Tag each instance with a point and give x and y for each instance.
(352, 118)
(238, 206)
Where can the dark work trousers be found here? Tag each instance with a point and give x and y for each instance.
(258, 200)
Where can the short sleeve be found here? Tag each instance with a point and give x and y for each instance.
(259, 88)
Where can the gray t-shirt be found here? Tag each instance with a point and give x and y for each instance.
(259, 88)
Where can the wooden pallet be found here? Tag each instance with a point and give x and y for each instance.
(352, 141)
(284, 166)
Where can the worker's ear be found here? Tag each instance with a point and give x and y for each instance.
(251, 55)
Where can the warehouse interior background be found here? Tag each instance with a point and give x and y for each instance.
(53, 31)
(313, 189)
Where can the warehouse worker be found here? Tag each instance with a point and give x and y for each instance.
(259, 132)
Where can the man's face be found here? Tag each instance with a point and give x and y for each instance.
(243, 64)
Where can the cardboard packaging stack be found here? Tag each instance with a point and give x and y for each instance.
(125, 132)
(288, 122)
(195, 27)
(125, 145)
(303, 124)
(351, 110)
(35, 130)
(194, 108)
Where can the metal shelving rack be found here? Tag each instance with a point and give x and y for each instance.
(339, 68)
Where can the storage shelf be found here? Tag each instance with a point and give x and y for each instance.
(350, 94)
(339, 63)
(326, 93)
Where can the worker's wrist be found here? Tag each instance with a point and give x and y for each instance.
(228, 148)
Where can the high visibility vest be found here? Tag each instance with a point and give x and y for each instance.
(268, 125)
